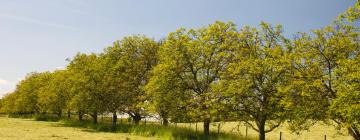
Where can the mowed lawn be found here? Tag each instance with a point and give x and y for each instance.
(29, 129)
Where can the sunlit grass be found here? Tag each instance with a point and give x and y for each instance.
(152, 130)
(28, 129)
(317, 132)
(13, 128)
(16, 128)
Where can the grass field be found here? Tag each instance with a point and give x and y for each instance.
(29, 129)
(20, 128)
(316, 132)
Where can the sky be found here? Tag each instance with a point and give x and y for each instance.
(39, 35)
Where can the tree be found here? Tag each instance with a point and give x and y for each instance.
(1, 106)
(255, 79)
(346, 107)
(196, 57)
(352, 14)
(8, 103)
(87, 77)
(322, 71)
(137, 56)
(113, 80)
(53, 96)
(28, 92)
(165, 92)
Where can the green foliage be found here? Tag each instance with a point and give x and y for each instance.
(352, 14)
(347, 103)
(55, 94)
(322, 65)
(87, 76)
(138, 55)
(25, 98)
(254, 82)
(46, 117)
(190, 63)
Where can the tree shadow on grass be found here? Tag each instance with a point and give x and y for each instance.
(149, 130)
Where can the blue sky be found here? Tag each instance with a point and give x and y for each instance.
(38, 35)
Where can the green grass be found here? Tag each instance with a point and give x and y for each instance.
(16, 128)
(29, 129)
(151, 130)
(317, 132)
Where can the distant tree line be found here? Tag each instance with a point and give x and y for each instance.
(214, 73)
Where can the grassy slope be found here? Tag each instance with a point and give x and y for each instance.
(28, 129)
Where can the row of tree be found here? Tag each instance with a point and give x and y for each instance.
(215, 73)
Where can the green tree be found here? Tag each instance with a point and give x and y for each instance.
(194, 60)
(112, 84)
(1, 106)
(140, 56)
(87, 76)
(113, 81)
(254, 82)
(8, 102)
(28, 91)
(322, 68)
(346, 106)
(352, 14)
(166, 93)
(129, 63)
(53, 96)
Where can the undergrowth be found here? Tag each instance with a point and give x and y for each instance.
(147, 130)
(151, 130)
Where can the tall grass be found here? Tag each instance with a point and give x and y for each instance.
(183, 131)
(18, 115)
(151, 130)
(148, 130)
(46, 117)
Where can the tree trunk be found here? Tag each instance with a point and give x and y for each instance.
(80, 115)
(94, 116)
(196, 127)
(59, 113)
(136, 117)
(207, 127)
(68, 114)
(102, 117)
(354, 132)
(261, 127)
(114, 118)
(165, 122)
(219, 126)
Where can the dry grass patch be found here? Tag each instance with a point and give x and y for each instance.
(28, 129)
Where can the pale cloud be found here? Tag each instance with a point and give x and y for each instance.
(60, 68)
(20, 79)
(34, 21)
(6, 87)
(4, 82)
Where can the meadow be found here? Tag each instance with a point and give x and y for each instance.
(30, 129)
(317, 132)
